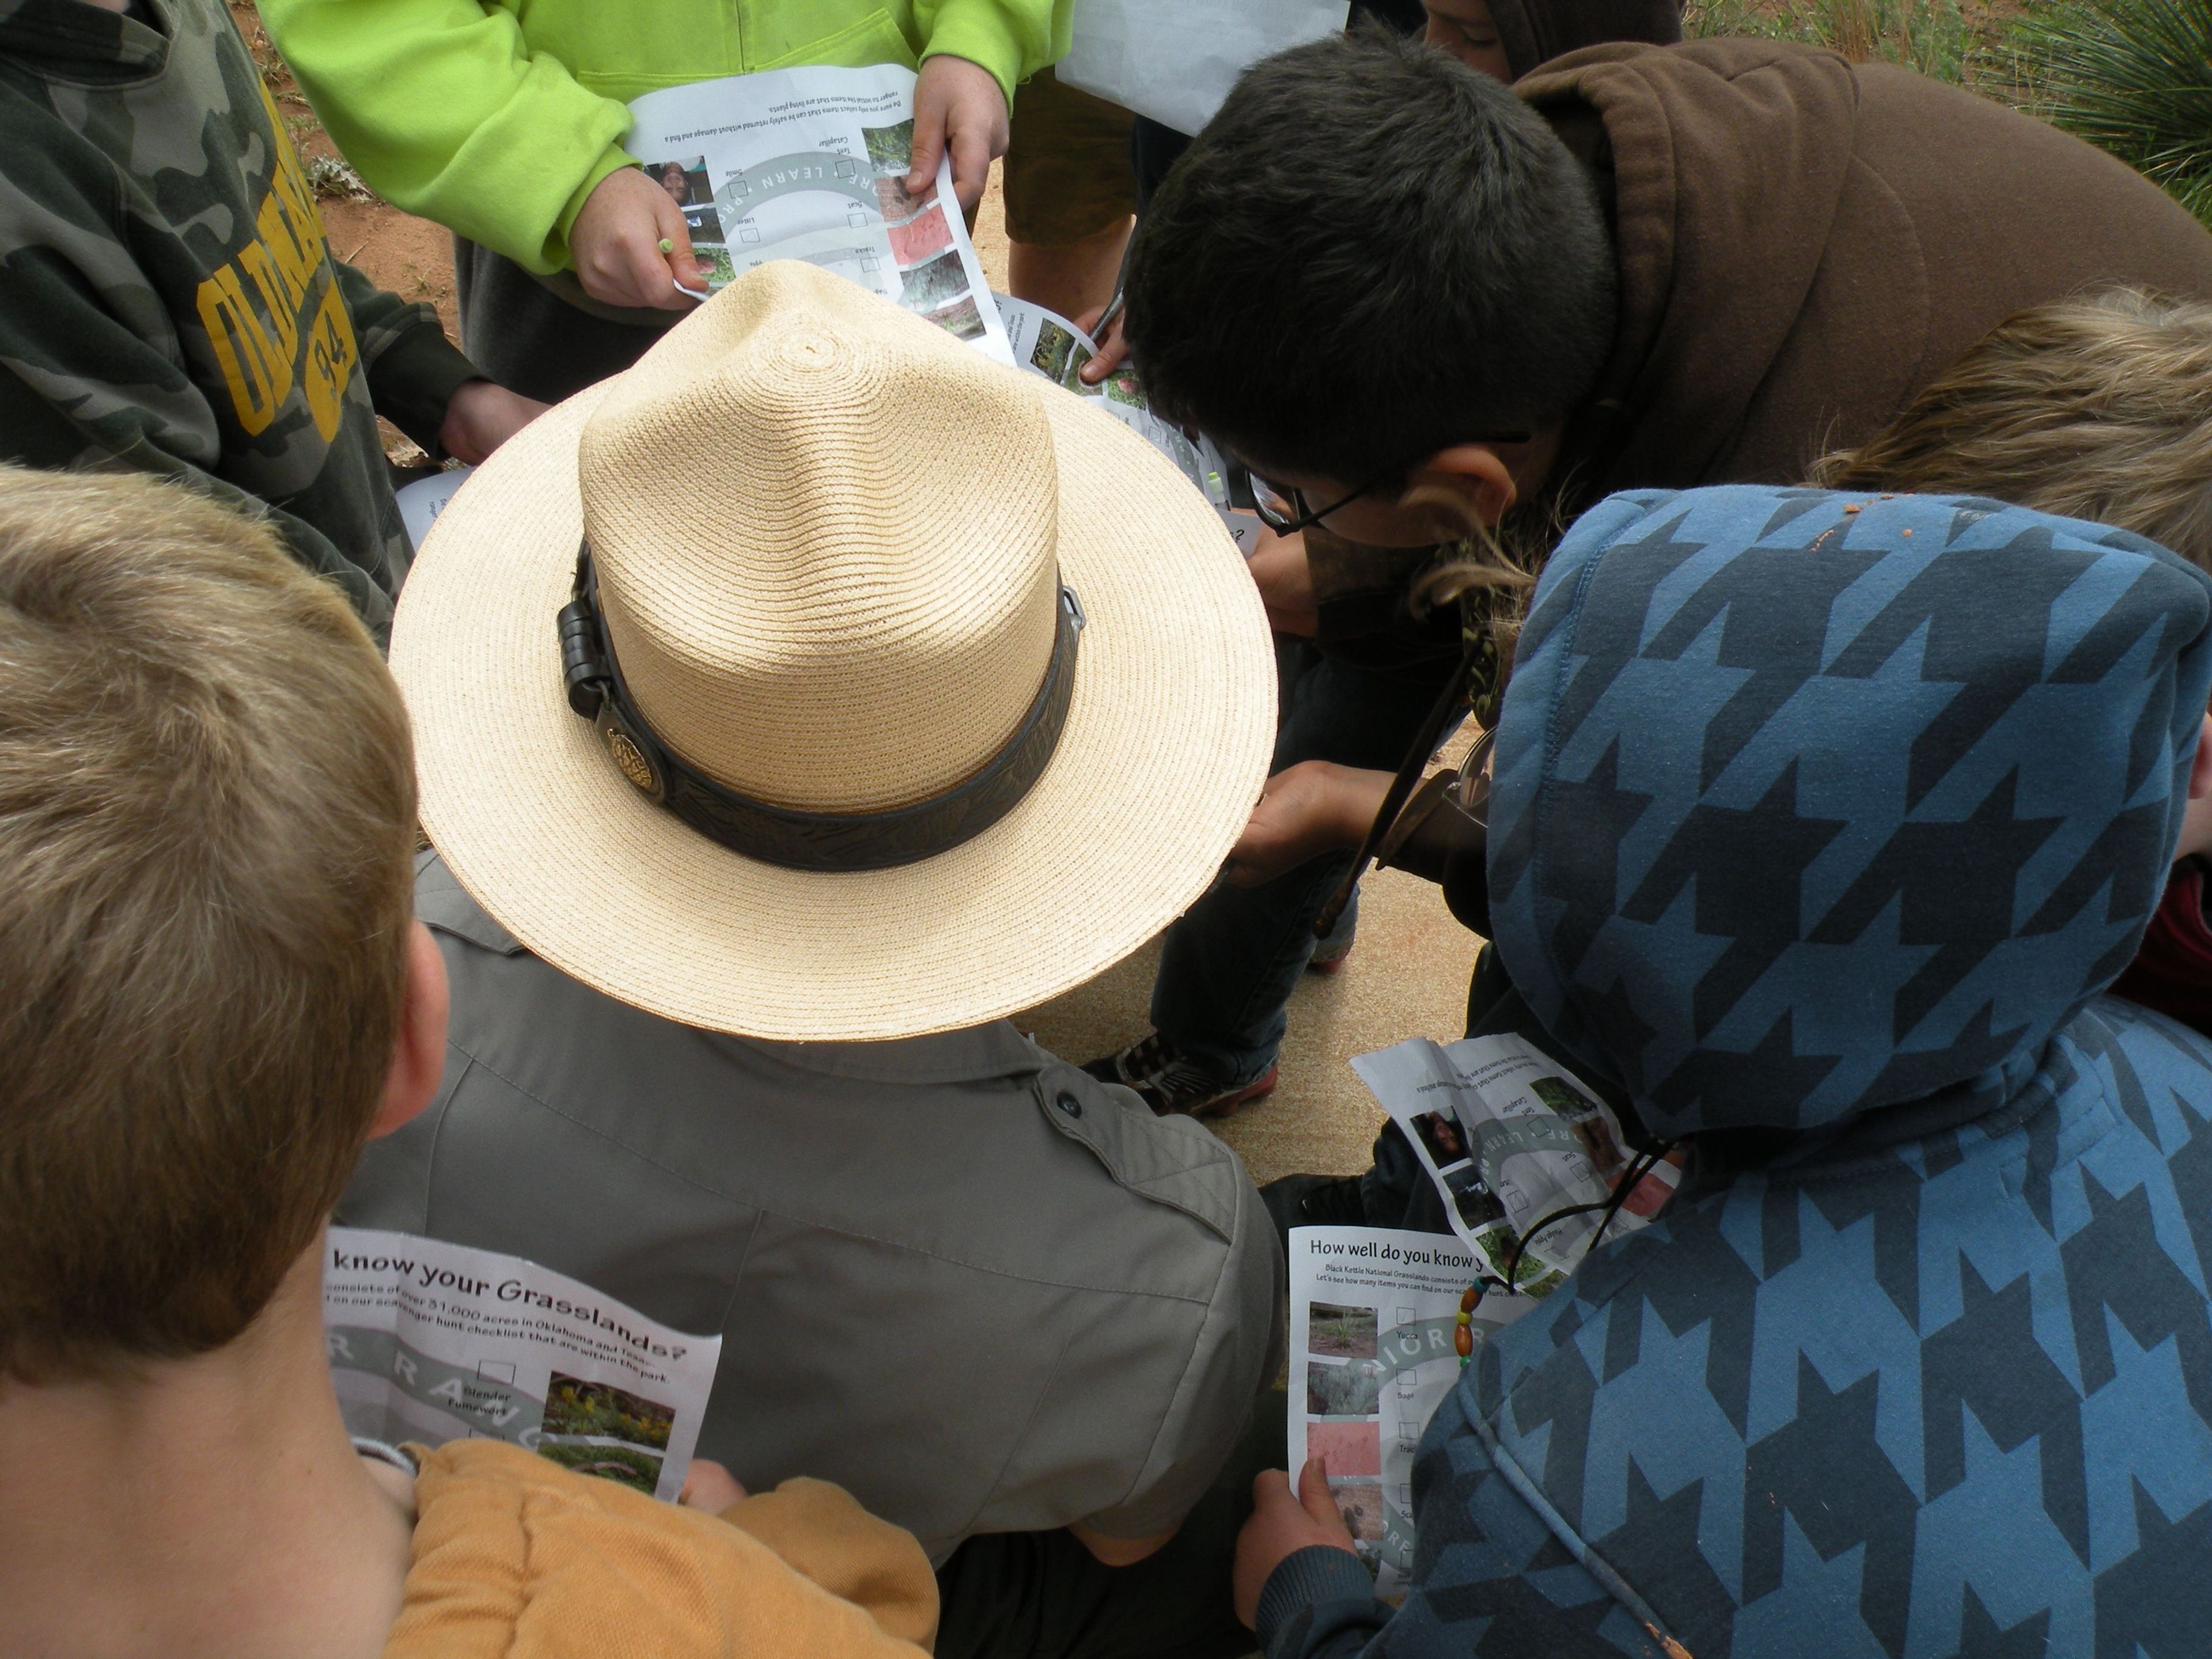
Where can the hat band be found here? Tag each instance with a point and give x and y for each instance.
(781, 835)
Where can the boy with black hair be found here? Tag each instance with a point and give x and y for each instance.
(1820, 824)
(1645, 266)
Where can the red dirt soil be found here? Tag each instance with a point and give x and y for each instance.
(415, 258)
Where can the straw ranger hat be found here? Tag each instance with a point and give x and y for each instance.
(819, 679)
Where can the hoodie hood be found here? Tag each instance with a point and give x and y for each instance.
(1733, 171)
(1535, 31)
(70, 42)
(1807, 805)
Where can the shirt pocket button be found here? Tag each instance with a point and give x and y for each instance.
(1070, 1104)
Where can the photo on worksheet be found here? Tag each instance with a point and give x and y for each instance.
(1587, 1118)
(594, 1428)
(1471, 1196)
(1360, 1503)
(1440, 1134)
(891, 149)
(897, 204)
(919, 238)
(933, 284)
(1054, 355)
(1347, 1448)
(684, 179)
(1343, 1389)
(960, 319)
(1339, 1332)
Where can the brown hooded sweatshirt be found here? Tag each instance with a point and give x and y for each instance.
(1534, 31)
(517, 1558)
(1803, 243)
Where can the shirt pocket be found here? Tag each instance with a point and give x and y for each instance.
(851, 35)
(621, 52)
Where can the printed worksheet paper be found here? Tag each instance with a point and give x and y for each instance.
(430, 1341)
(1373, 1318)
(811, 164)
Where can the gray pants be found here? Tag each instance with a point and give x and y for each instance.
(531, 340)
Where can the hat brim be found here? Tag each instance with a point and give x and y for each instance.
(1164, 752)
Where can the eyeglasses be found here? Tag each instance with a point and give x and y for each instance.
(1284, 509)
(1280, 507)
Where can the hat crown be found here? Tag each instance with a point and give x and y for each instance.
(825, 537)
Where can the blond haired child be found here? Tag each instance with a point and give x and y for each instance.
(212, 991)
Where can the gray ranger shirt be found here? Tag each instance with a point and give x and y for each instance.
(976, 1287)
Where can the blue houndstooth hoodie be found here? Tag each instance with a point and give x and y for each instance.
(1820, 822)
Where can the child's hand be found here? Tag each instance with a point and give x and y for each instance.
(1307, 810)
(707, 1485)
(616, 245)
(1280, 1526)
(957, 106)
(481, 417)
(1113, 349)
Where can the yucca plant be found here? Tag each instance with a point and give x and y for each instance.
(2133, 77)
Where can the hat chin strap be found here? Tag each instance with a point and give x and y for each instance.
(781, 835)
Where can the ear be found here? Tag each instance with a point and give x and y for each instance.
(1473, 473)
(2200, 771)
(418, 1059)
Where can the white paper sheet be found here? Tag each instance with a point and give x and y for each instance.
(422, 501)
(1174, 60)
(1045, 343)
(1510, 1136)
(433, 1342)
(809, 164)
(1373, 1314)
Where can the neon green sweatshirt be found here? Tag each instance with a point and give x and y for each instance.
(496, 119)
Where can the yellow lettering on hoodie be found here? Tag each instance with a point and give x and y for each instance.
(263, 350)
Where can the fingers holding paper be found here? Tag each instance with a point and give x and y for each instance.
(959, 110)
(632, 246)
(1113, 346)
(1284, 1522)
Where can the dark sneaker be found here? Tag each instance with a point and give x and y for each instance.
(1313, 1200)
(1175, 1085)
(1329, 957)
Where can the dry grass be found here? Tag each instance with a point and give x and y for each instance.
(1957, 40)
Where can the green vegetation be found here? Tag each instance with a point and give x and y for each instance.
(2133, 77)
(1928, 36)
(575, 1408)
(638, 1470)
(1343, 1333)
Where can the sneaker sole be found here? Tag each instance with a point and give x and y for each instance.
(1226, 1105)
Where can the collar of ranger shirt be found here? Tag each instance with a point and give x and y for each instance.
(76, 41)
(994, 1049)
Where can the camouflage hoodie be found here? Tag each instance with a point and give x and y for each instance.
(167, 302)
